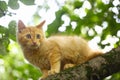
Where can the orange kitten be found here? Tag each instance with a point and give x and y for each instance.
(52, 54)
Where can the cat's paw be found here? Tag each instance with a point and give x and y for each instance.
(68, 66)
(42, 77)
(51, 72)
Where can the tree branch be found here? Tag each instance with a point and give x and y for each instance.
(95, 69)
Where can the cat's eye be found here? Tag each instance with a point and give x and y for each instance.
(38, 36)
(28, 36)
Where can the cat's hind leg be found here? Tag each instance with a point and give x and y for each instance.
(68, 65)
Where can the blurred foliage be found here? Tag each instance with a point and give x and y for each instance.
(86, 18)
(13, 67)
(12, 64)
(100, 15)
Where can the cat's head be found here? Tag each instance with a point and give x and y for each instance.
(30, 36)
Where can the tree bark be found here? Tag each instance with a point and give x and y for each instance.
(95, 69)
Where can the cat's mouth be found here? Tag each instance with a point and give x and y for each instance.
(35, 46)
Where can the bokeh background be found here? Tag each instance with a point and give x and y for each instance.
(98, 21)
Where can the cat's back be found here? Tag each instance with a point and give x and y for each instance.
(69, 41)
(71, 47)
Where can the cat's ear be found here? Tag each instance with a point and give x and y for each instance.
(21, 26)
(41, 24)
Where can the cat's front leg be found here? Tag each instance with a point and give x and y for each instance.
(54, 63)
(55, 68)
(45, 74)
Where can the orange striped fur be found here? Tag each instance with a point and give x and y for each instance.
(52, 54)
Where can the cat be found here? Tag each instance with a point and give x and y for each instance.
(55, 53)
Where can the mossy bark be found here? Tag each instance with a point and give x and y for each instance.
(95, 69)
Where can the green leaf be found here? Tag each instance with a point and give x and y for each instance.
(28, 2)
(2, 48)
(2, 29)
(3, 8)
(77, 30)
(12, 30)
(2, 13)
(4, 42)
(53, 27)
(13, 4)
(77, 4)
(69, 29)
(3, 5)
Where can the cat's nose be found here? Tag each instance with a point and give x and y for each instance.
(34, 43)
